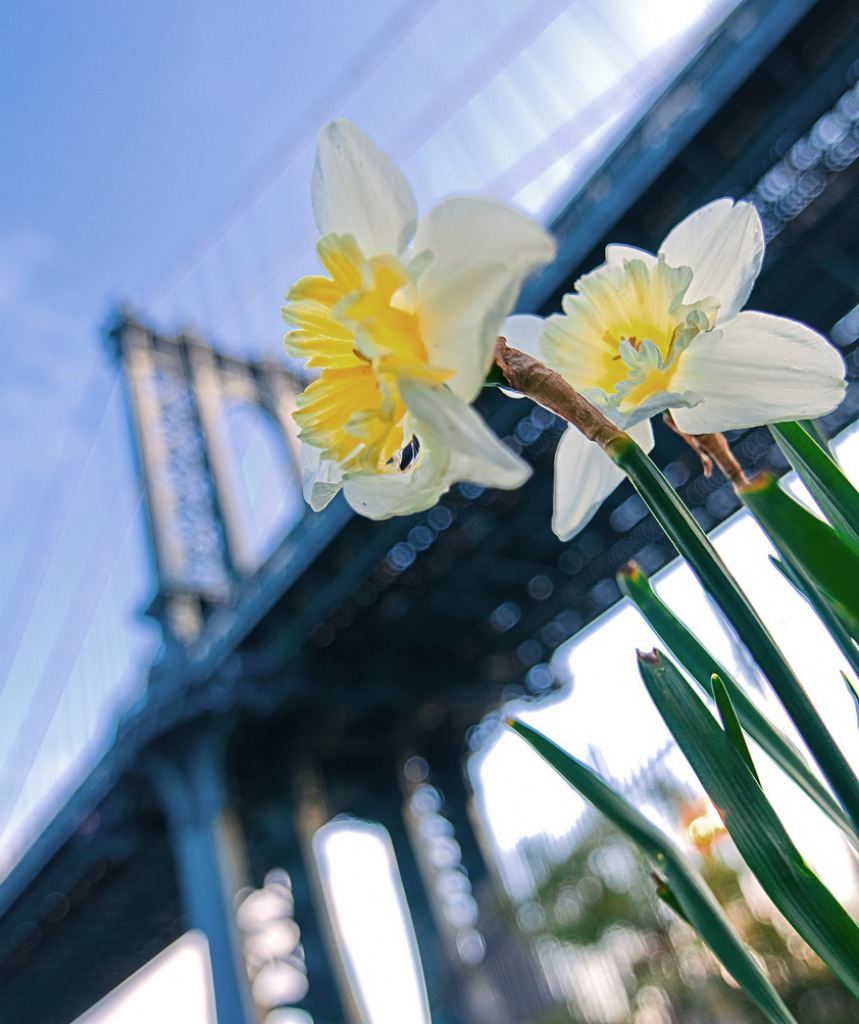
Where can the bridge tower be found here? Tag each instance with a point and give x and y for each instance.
(180, 393)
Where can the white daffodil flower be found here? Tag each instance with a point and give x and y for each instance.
(646, 333)
(403, 334)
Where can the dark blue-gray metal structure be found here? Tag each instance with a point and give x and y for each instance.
(298, 691)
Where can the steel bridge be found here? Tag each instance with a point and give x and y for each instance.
(290, 692)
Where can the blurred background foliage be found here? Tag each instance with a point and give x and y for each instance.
(614, 952)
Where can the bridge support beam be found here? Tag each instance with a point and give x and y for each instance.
(506, 985)
(210, 857)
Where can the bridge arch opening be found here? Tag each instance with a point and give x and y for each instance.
(268, 493)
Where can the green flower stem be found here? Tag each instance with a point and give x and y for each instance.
(529, 376)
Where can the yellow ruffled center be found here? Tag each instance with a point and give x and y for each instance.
(359, 326)
(624, 331)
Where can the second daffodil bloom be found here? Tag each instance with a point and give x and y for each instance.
(403, 334)
(646, 333)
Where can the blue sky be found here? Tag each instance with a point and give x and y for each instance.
(161, 153)
(124, 127)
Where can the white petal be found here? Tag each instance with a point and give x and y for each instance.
(616, 255)
(482, 251)
(585, 476)
(321, 478)
(455, 445)
(758, 369)
(723, 243)
(525, 332)
(383, 495)
(642, 434)
(356, 190)
(476, 454)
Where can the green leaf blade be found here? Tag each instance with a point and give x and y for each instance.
(753, 824)
(829, 560)
(731, 725)
(694, 902)
(701, 665)
(851, 689)
(693, 544)
(834, 493)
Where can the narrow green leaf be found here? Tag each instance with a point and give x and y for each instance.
(753, 824)
(666, 894)
(812, 427)
(694, 901)
(829, 559)
(593, 788)
(693, 544)
(701, 665)
(823, 610)
(852, 691)
(731, 725)
(687, 648)
(834, 493)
